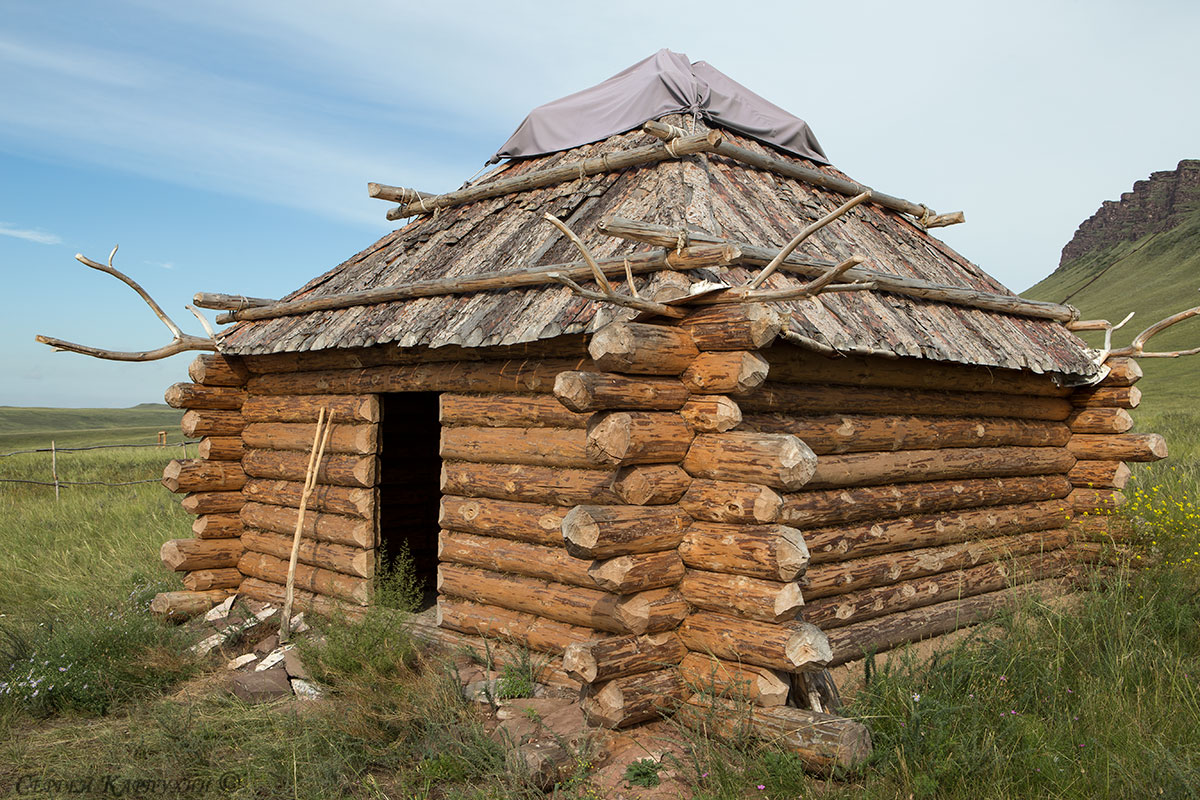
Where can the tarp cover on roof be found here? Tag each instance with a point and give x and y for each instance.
(665, 83)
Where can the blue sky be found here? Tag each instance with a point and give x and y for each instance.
(226, 145)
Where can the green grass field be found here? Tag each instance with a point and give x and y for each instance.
(1155, 277)
(24, 428)
(1096, 698)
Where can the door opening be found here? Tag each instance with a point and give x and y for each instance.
(410, 467)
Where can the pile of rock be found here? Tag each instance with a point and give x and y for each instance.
(265, 670)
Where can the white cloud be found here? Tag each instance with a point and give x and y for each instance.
(29, 235)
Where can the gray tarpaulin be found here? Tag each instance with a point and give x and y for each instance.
(665, 83)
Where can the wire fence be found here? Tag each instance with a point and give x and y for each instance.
(57, 482)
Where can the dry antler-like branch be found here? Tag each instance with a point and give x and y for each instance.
(1137, 348)
(606, 293)
(180, 342)
(769, 269)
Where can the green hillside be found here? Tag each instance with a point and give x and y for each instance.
(35, 427)
(1156, 276)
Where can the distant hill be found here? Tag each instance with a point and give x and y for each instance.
(22, 427)
(1141, 254)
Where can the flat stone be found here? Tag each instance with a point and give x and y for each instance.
(267, 645)
(220, 610)
(294, 666)
(274, 658)
(261, 687)
(305, 690)
(241, 661)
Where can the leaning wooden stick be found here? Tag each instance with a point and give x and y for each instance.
(320, 440)
(769, 269)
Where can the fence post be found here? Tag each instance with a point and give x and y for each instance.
(54, 468)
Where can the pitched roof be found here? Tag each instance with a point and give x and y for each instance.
(705, 193)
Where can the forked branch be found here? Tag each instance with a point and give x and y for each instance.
(769, 269)
(180, 342)
(1137, 348)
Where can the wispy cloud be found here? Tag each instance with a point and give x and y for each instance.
(29, 235)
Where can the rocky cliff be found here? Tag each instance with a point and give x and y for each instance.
(1157, 204)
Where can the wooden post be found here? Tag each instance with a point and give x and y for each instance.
(320, 439)
(54, 468)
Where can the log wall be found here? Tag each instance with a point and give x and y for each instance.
(679, 493)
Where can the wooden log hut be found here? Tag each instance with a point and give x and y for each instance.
(654, 431)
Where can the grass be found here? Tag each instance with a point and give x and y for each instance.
(24, 428)
(1098, 697)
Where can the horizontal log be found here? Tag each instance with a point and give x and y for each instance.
(778, 460)
(332, 499)
(311, 579)
(652, 611)
(534, 523)
(575, 169)
(211, 423)
(534, 375)
(1107, 397)
(787, 646)
(839, 610)
(637, 573)
(221, 448)
(1095, 501)
(853, 433)
(194, 395)
(214, 369)
(202, 580)
(771, 552)
(637, 437)
(1118, 447)
(291, 465)
(617, 656)
(738, 595)
(711, 413)
(735, 326)
(549, 447)
(720, 372)
(790, 364)
(1122, 372)
(640, 349)
(1100, 474)
(594, 531)
(706, 675)
(626, 701)
(514, 627)
(1100, 420)
(336, 557)
(729, 501)
(822, 741)
(824, 580)
(884, 633)
(339, 529)
(180, 606)
(572, 346)
(339, 409)
(651, 484)
(212, 502)
(564, 487)
(303, 600)
(509, 411)
(514, 557)
(198, 475)
(838, 506)
(343, 438)
(184, 555)
(217, 526)
(601, 391)
(907, 533)
(574, 605)
(831, 399)
(865, 469)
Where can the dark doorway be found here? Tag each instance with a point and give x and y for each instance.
(410, 487)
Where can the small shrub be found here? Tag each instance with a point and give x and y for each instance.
(643, 772)
(519, 679)
(397, 585)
